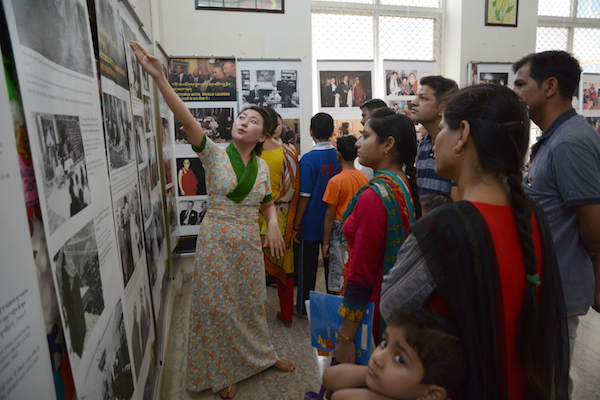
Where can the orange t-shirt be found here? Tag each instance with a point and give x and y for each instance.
(342, 187)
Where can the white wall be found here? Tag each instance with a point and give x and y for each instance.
(468, 39)
(185, 31)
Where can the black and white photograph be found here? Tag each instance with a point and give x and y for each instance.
(135, 78)
(153, 160)
(274, 88)
(190, 177)
(113, 64)
(109, 374)
(152, 251)
(159, 224)
(129, 232)
(119, 131)
(345, 88)
(192, 212)
(148, 114)
(60, 32)
(140, 137)
(216, 123)
(145, 191)
(65, 179)
(141, 326)
(171, 209)
(77, 273)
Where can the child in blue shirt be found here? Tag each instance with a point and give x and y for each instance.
(316, 168)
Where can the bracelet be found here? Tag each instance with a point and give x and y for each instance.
(345, 337)
(298, 229)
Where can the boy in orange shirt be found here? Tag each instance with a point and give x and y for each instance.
(340, 190)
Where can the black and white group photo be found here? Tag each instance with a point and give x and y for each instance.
(77, 272)
(153, 161)
(119, 131)
(109, 374)
(216, 123)
(274, 88)
(60, 32)
(135, 79)
(140, 136)
(192, 212)
(345, 88)
(401, 82)
(140, 331)
(65, 180)
(170, 196)
(145, 191)
(148, 113)
(129, 232)
(159, 224)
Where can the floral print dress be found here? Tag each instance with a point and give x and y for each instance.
(228, 336)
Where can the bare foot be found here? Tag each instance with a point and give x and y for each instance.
(285, 366)
(228, 392)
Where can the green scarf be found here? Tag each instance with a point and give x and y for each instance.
(246, 174)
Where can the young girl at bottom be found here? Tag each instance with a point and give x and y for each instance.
(420, 357)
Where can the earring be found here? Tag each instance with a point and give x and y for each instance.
(386, 153)
(458, 154)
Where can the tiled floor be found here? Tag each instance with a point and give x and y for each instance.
(294, 344)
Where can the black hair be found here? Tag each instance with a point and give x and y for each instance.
(267, 125)
(321, 125)
(436, 341)
(554, 63)
(429, 201)
(346, 146)
(441, 86)
(385, 122)
(499, 126)
(373, 104)
(274, 115)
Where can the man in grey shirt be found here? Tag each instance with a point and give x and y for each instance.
(564, 176)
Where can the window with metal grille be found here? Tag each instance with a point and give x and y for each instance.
(573, 26)
(376, 30)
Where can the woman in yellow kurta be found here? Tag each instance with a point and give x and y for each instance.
(285, 181)
(229, 339)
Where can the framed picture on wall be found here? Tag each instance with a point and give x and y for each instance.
(274, 6)
(501, 12)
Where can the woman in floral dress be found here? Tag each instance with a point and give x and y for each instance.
(228, 336)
